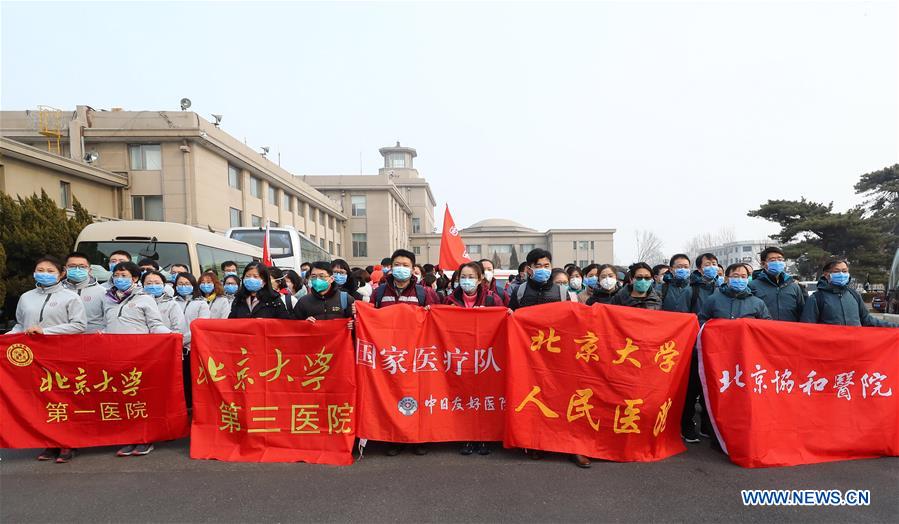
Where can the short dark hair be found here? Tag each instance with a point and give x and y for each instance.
(710, 256)
(428, 268)
(429, 279)
(308, 264)
(121, 252)
(657, 269)
(735, 266)
(152, 272)
(632, 270)
(833, 262)
(77, 254)
(185, 266)
(401, 253)
(227, 263)
(536, 254)
(340, 263)
(193, 281)
(324, 266)
(388, 261)
(370, 269)
(129, 266)
(676, 257)
(770, 249)
(572, 269)
(235, 278)
(53, 260)
(266, 294)
(522, 266)
(149, 262)
(589, 268)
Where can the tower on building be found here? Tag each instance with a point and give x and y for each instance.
(398, 161)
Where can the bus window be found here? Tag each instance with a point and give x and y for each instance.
(211, 258)
(168, 252)
(278, 241)
(312, 252)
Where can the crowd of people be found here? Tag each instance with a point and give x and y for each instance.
(139, 298)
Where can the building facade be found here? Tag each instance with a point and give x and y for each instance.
(507, 243)
(746, 252)
(177, 167)
(382, 210)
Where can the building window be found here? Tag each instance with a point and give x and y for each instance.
(272, 223)
(255, 221)
(357, 202)
(338, 250)
(233, 177)
(147, 208)
(473, 249)
(255, 187)
(236, 217)
(396, 160)
(145, 157)
(417, 250)
(500, 248)
(321, 217)
(65, 195)
(360, 245)
(312, 238)
(527, 248)
(287, 202)
(574, 244)
(330, 247)
(583, 244)
(747, 249)
(416, 225)
(272, 196)
(592, 246)
(321, 243)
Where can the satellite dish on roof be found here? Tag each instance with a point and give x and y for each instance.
(185, 103)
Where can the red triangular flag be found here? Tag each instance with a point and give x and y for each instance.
(452, 249)
(266, 254)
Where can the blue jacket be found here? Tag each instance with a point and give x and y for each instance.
(783, 296)
(839, 305)
(676, 294)
(726, 303)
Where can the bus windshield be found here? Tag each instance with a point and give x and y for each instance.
(98, 253)
(278, 241)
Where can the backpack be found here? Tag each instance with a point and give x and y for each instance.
(382, 289)
(563, 293)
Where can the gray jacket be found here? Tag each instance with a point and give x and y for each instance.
(55, 309)
(220, 307)
(783, 296)
(839, 306)
(136, 314)
(727, 303)
(171, 313)
(193, 309)
(91, 293)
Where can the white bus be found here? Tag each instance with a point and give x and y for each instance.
(288, 247)
(165, 242)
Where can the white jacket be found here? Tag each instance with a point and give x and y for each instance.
(171, 313)
(193, 309)
(56, 309)
(136, 314)
(220, 307)
(91, 293)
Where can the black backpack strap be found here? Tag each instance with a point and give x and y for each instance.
(694, 298)
(379, 294)
(819, 299)
(420, 294)
(664, 291)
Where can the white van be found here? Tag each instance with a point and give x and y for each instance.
(165, 242)
(288, 247)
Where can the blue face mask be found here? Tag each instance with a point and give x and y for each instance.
(642, 286)
(112, 266)
(339, 279)
(402, 273)
(154, 289)
(184, 290)
(542, 274)
(230, 274)
(710, 271)
(45, 279)
(76, 274)
(172, 277)
(122, 283)
(719, 280)
(590, 281)
(207, 287)
(737, 284)
(468, 285)
(231, 288)
(683, 273)
(303, 274)
(839, 279)
(252, 284)
(776, 267)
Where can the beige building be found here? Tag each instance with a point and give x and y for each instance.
(507, 243)
(168, 166)
(382, 210)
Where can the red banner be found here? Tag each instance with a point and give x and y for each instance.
(272, 391)
(78, 391)
(431, 376)
(607, 382)
(452, 250)
(785, 393)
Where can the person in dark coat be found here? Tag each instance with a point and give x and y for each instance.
(607, 285)
(489, 274)
(640, 293)
(677, 293)
(734, 299)
(344, 279)
(836, 303)
(256, 298)
(538, 288)
(778, 290)
(473, 290)
(326, 300)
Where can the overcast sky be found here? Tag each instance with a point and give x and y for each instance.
(672, 117)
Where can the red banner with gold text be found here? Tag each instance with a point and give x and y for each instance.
(784, 393)
(273, 391)
(78, 391)
(607, 382)
(431, 376)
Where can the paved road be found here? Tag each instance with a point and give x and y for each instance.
(700, 485)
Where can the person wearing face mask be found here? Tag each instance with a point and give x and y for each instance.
(344, 278)
(836, 303)
(538, 288)
(174, 271)
(228, 267)
(677, 294)
(473, 290)
(559, 277)
(214, 294)
(50, 309)
(326, 301)
(363, 278)
(401, 287)
(575, 281)
(704, 280)
(129, 310)
(304, 270)
(230, 285)
(783, 296)
(256, 298)
(719, 280)
(153, 284)
(80, 280)
(192, 304)
(590, 275)
(607, 285)
(490, 280)
(640, 292)
(734, 299)
(114, 259)
(658, 274)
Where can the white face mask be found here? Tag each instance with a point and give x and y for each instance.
(488, 275)
(608, 283)
(575, 283)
